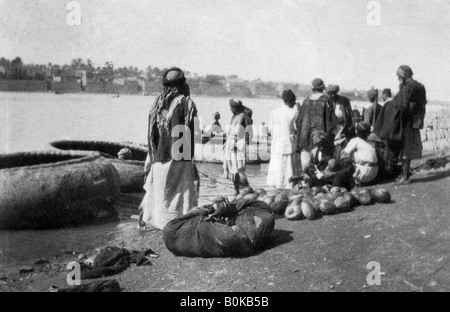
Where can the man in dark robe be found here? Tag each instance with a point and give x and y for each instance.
(343, 111)
(316, 114)
(411, 98)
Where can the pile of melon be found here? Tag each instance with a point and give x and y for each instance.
(309, 203)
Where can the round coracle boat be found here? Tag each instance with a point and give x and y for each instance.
(127, 158)
(50, 189)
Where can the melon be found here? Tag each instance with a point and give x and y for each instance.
(335, 190)
(308, 210)
(333, 196)
(247, 190)
(306, 192)
(293, 197)
(344, 190)
(315, 190)
(272, 193)
(283, 196)
(260, 191)
(364, 198)
(327, 188)
(293, 210)
(327, 207)
(251, 196)
(279, 207)
(267, 199)
(343, 204)
(352, 198)
(321, 197)
(381, 196)
(315, 203)
(293, 213)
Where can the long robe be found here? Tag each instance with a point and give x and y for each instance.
(234, 149)
(170, 188)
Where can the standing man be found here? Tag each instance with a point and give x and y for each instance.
(343, 111)
(239, 135)
(170, 170)
(282, 128)
(371, 114)
(316, 114)
(392, 147)
(386, 96)
(412, 100)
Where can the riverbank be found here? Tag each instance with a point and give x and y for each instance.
(409, 238)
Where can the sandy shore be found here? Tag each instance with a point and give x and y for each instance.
(409, 238)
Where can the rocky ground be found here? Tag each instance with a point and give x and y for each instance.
(409, 238)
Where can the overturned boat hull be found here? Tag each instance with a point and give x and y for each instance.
(131, 171)
(51, 189)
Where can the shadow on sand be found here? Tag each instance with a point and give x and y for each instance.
(431, 177)
(278, 238)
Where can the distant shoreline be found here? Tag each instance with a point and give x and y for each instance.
(430, 102)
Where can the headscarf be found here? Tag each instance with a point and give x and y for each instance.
(318, 137)
(235, 103)
(405, 72)
(174, 86)
(333, 89)
(173, 75)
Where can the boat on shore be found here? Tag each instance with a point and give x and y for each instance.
(131, 171)
(51, 189)
(211, 151)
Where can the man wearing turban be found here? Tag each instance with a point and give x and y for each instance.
(239, 135)
(171, 175)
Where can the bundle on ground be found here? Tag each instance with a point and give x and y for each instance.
(241, 234)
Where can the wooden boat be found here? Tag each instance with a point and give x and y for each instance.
(211, 151)
(131, 171)
(51, 189)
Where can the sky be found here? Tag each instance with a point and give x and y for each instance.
(278, 40)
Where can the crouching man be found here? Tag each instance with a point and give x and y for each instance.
(323, 169)
(364, 157)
